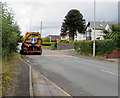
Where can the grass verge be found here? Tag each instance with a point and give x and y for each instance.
(8, 68)
(49, 47)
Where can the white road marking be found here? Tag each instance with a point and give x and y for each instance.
(57, 86)
(110, 72)
(28, 61)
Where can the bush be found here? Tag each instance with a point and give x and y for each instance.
(49, 43)
(102, 46)
(64, 41)
(48, 40)
(83, 47)
(71, 41)
(105, 46)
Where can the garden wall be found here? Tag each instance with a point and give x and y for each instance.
(62, 46)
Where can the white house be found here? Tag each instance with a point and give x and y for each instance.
(89, 35)
(99, 28)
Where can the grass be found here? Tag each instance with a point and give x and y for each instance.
(8, 67)
(90, 55)
(49, 47)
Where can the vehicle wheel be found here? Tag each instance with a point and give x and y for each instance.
(21, 52)
(40, 53)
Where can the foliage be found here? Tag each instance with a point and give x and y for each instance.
(115, 28)
(66, 41)
(8, 67)
(102, 47)
(115, 34)
(10, 31)
(73, 22)
(105, 46)
(48, 43)
(105, 31)
(49, 47)
(83, 47)
(47, 39)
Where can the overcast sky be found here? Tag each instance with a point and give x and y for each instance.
(52, 13)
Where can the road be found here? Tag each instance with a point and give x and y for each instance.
(75, 75)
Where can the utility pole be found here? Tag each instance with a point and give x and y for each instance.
(94, 28)
(41, 28)
(30, 24)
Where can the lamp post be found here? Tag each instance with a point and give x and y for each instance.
(30, 23)
(94, 29)
(41, 28)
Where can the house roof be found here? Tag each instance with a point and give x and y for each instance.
(53, 36)
(64, 33)
(98, 25)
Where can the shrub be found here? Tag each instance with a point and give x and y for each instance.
(105, 46)
(48, 40)
(83, 47)
(71, 41)
(48, 43)
(64, 41)
(102, 46)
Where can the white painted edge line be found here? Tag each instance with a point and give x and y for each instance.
(56, 86)
(110, 72)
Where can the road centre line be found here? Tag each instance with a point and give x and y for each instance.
(110, 72)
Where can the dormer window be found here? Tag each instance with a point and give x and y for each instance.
(101, 25)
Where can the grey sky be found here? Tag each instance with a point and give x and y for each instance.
(52, 13)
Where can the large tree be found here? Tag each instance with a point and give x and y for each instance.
(73, 22)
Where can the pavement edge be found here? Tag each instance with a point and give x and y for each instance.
(30, 77)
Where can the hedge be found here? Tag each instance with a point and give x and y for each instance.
(66, 41)
(48, 43)
(83, 47)
(102, 46)
(105, 46)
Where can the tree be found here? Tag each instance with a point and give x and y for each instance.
(10, 31)
(73, 22)
(115, 34)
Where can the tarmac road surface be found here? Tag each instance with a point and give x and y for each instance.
(77, 76)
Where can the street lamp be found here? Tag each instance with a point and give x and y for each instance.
(94, 30)
(41, 28)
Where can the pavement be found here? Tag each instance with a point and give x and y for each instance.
(44, 87)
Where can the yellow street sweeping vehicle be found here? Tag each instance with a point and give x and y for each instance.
(32, 43)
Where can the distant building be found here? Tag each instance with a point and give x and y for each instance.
(65, 36)
(99, 28)
(89, 34)
(54, 37)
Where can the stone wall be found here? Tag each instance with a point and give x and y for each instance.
(62, 46)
